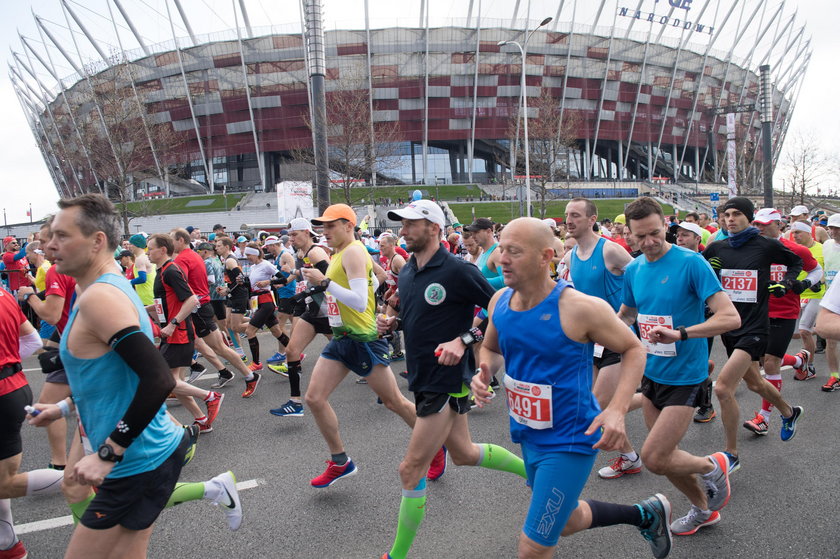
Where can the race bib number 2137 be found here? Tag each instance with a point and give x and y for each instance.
(740, 285)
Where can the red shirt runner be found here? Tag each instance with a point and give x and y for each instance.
(788, 306)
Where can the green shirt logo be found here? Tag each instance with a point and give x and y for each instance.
(435, 294)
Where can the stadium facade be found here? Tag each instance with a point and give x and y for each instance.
(644, 84)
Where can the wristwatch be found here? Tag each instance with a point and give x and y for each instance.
(174, 321)
(471, 336)
(325, 283)
(106, 453)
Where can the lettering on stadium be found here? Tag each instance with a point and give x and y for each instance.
(665, 20)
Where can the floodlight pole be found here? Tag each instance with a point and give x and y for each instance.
(317, 77)
(766, 105)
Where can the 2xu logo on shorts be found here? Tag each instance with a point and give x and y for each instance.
(549, 517)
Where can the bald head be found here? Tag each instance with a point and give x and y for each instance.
(533, 229)
(527, 247)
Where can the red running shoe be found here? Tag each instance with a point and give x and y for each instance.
(438, 466)
(213, 407)
(333, 473)
(17, 551)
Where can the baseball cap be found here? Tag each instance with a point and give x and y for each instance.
(550, 222)
(271, 240)
(420, 209)
(138, 240)
(241, 239)
(189, 228)
(620, 218)
(301, 224)
(479, 224)
(205, 246)
(8, 240)
(218, 226)
(799, 210)
(834, 220)
(766, 215)
(693, 227)
(337, 211)
(457, 224)
(801, 226)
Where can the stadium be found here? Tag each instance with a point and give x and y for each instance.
(626, 91)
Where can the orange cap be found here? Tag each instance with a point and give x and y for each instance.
(337, 211)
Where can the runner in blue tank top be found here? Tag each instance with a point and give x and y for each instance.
(133, 452)
(666, 292)
(543, 332)
(596, 267)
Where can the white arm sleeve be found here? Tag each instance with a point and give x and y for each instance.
(29, 344)
(815, 275)
(356, 297)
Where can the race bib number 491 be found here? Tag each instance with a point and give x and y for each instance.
(529, 403)
(740, 285)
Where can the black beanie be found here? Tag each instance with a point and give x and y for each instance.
(743, 205)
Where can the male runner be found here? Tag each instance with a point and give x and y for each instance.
(783, 312)
(173, 310)
(438, 295)
(215, 280)
(544, 333)
(801, 213)
(355, 345)
(262, 303)
(236, 289)
(667, 293)
(831, 253)
(392, 263)
(16, 265)
(310, 315)
(596, 268)
(811, 297)
(284, 289)
(119, 384)
(742, 262)
(482, 231)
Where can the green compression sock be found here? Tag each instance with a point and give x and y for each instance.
(78, 509)
(184, 492)
(495, 457)
(412, 511)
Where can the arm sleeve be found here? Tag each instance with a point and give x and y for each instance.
(29, 344)
(21, 253)
(322, 266)
(498, 282)
(356, 297)
(141, 278)
(156, 383)
(815, 275)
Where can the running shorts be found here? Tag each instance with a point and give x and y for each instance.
(808, 317)
(286, 306)
(431, 403)
(607, 358)
(359, 357)
(219, 308)
(321, 324)
(665, 395)
(12, 415)
(238, 305)
(264, 316)
(754, 344)
(204, 321)
(177, 355)
(781, 331)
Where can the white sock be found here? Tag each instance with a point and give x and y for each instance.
(43, 482)
(798, 363)
(7, 525)
(765, 414)
(250, 377)
(631, 456)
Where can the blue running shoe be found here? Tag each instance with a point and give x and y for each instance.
(789, 423)
(276, 358)
(657, 510)
(734, 462)
(289, 409)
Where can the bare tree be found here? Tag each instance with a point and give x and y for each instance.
(806, 166)
(551, 134)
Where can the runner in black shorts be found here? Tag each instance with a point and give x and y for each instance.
(261, 273)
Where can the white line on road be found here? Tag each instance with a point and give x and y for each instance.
(58, 522)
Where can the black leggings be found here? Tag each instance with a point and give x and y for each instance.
(12, 415)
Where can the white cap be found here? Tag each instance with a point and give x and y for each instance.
(834, 220)
(420, 209)
(301, 224)
(387, 234)
(800, 226)
(799, 210)
(550, 222)
(693, 227)
(271, 240)
(766, 215)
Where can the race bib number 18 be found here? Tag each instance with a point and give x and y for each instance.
(648, 322)
(740, 285)
(529, 403)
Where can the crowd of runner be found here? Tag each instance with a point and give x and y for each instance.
(577, 321)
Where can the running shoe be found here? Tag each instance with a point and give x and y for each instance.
(255, 366)
(693, 521)
(17, 551)
(705, 414)
(224, 379)
(734, 462)
(620, 466)
(832, 384)
(251, 386)
(811, 373)
(757, 424)
(276, 358)
(333, 473)
(361, 380)
(717, 482)
(213, 407)
(289, 409)
(196, 370)
(788, 430)
(657, 510)
(397, 356)
(438, 466)
(192, 440)
(279, 368)
(801, 372)
(227, 498)
(203, 427)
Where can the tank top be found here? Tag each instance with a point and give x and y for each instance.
(817, 251)
(103, 388)
(345, 321)
(288, 290)
(482, 264)
(548, 377)
(592, 277)
(146, 290)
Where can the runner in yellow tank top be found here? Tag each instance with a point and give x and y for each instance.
(355, 346)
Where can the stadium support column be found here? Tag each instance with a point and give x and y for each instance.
(766, 133)
(317, 77)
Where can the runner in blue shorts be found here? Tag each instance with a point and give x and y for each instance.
(543, 333)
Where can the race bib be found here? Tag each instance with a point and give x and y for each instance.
(777, 272)
(740, 285)
(648, 322)
(599, 351)
(253, 303)
(159, 310)
(529, 404)
(333, 314)
(88, 448)
(829, 277)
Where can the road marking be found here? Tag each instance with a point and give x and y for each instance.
(31, 370)
(60, 521)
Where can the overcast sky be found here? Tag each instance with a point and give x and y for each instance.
(25, 179)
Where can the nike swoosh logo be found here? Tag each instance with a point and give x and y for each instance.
(232, 505)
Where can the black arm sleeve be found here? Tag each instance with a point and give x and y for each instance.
(232, 274)
(322, 266)
(156, 383)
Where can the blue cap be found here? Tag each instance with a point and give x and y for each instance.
(242, 239)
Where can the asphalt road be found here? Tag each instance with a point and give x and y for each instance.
(783, 503)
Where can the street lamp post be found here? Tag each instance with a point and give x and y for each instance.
(523, 50)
